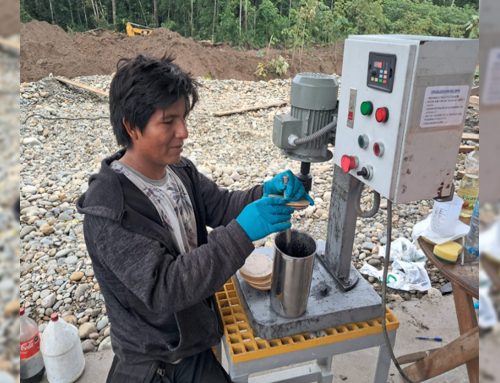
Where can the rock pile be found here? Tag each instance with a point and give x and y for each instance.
(66, 133)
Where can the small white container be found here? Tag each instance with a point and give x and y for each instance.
(62, 351)
(444, 216)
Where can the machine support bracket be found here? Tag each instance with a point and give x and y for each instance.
(341, 229)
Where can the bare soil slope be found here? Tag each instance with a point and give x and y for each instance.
(9, 18)
(47, 48)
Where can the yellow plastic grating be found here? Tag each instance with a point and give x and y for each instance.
(244, 346)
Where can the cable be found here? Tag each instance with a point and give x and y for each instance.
(375, 206)
(325, 129)
(384, 291)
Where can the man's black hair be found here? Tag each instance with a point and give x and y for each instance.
(143, 85)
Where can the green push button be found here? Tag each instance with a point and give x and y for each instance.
(366, 108)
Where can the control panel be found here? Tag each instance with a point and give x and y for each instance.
(401, 112)
(381, 68)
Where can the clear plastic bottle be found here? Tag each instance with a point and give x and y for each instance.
(471, 243)
(469, 185)
(32, 367)
(62, 351)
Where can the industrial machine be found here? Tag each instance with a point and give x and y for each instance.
(396, 129)
(134, 29)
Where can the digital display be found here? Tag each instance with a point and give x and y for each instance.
(381, 69)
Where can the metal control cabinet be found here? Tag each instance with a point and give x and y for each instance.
(401, 112)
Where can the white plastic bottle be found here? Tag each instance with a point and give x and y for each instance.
(62, 351)
(29, 343)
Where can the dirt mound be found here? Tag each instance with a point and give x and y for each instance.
(9, 18)
(47, 48)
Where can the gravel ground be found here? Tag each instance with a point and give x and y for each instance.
(9, 228)
(65, 134)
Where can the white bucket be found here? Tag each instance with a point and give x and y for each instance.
(445, 216)
(62, 351)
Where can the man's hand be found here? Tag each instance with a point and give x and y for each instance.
(293, 190)
(265, 216)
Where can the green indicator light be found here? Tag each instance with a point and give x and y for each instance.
(363, 141)
(366, 108)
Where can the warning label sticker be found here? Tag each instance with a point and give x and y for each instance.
(491, 94)
(444, 106)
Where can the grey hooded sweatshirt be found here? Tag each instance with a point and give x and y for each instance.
(160, 303)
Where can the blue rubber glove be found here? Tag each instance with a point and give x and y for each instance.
(265, 216)
(294, 190)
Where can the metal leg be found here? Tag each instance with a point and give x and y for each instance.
(325, 365)
(384, 359)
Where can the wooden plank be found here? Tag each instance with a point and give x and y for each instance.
(466, 148)
(77, 84)
(470, 136)
(474, 101)
(249, 109)
(454, 354)
(415, 356)
(10, 45)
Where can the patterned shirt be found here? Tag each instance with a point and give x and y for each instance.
(171, 200)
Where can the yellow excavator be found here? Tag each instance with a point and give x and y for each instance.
(134, 29)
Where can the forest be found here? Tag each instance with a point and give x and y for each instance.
(261, 23)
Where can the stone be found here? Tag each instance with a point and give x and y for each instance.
(71, 260)
(88, 345)
(49, 300)
(25, 231)
(46, 229)
(76, 276)
(63, 253)
(368, 246)
(105, 344)
(71, 319)
(375, 262)
(80, 291)
(86, 329)
(103, 322)
(31, 141)
(434, 294)
(107, 331)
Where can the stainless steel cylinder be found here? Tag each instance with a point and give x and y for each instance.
(292, 273)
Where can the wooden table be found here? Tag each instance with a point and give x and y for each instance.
(464, 349)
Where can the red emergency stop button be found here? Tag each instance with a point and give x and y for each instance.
(382, 114)
(348, 163)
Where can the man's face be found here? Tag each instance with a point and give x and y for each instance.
(161, 141)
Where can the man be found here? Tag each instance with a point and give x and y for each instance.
(146, 214)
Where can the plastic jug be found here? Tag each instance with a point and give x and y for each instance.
(62, 351)
(32, 368)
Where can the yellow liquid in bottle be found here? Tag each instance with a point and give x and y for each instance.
(468, 191)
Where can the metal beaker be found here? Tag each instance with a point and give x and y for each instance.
(292, 273)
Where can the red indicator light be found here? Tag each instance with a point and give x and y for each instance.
(382, 114)
(348, 163)
(378, 149)
(349, 116)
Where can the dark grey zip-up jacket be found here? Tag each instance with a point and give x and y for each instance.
(159, 302)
